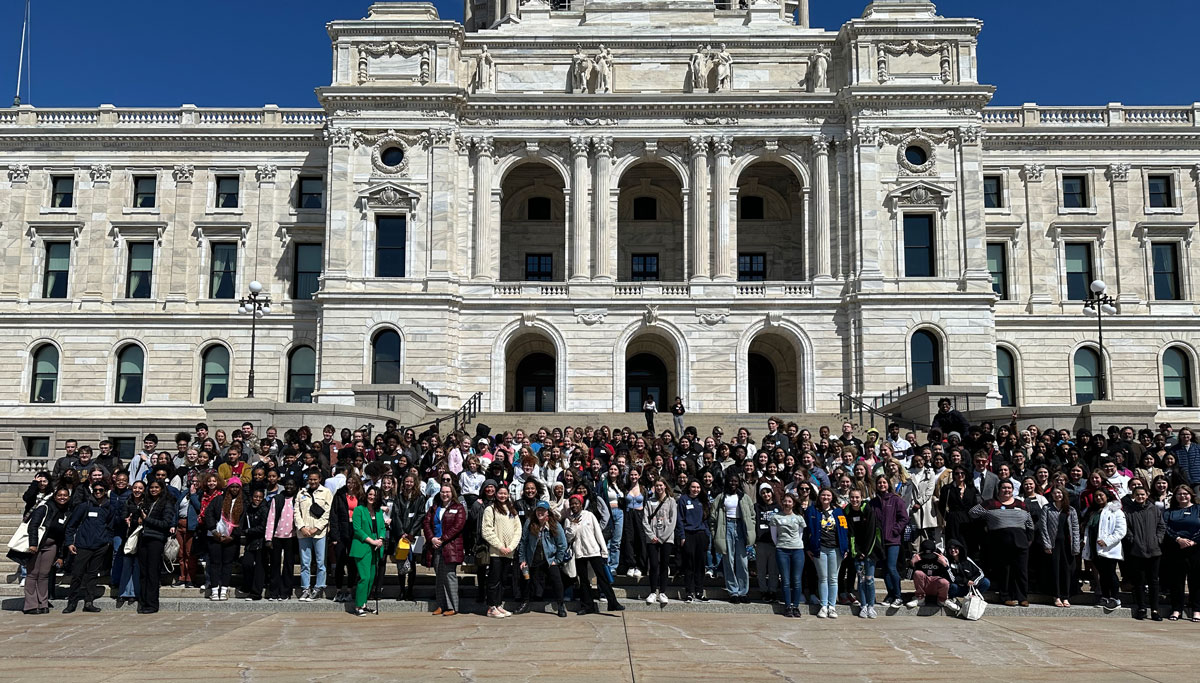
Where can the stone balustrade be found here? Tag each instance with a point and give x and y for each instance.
(107, 116)
(1114, 115)
(639, 290)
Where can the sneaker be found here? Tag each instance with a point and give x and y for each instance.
(950, 605)
(22, 582)
(494, 614)
(914, 602)
(1114, 604)
(504, 612)
(224, 593)
(215, 594)
(360, 612)
(864, 613)
(632, 573)
(708, 573)
(823, 613)
(662, 599)
(703, 597)
(897, 603)
(652, 598)
(871, 613)
(689, 598)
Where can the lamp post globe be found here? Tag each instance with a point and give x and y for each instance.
(1098, 286)
(256, 286)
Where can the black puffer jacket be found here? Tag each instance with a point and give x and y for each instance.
(159, 517)
(253, 528)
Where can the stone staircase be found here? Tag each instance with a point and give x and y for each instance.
(703, 422)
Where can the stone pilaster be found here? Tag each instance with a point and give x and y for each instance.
(724, 259)
(581, 245)
(605, 229)
(821, 269)
(483, 239)
(699, 226)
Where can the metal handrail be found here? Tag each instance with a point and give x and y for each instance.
(461, 417)
(851, 405)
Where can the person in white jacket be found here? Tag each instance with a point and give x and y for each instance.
(1105, 524)
(659, 521)
(590, 550)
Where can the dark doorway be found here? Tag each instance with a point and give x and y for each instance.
(762, 384)
(645, 375)
(535, 384)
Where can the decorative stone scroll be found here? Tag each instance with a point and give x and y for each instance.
(913, 47)
(391, 49)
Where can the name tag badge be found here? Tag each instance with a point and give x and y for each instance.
(93, 514)
(452, 512)
(689, 506)
(762, 526)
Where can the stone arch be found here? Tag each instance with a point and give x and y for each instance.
(27, 372)
(942, 356)
(114, 352)
(514, 331)
(1189, 356)
(1018, 364)
(679, 377)
(1105, 369)
(369, 347)
(773, 246)
(510, 162)
(664, 239)
(522, 236)
(804, 392)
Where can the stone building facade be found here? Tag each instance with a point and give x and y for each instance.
(567, 206)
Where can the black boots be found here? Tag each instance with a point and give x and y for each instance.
(562, 610)
(90, 608)
(71, 606)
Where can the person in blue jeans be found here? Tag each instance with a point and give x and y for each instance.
(891, 513)
(124, 573)
(964, 573)
(865, 549)
(732, 521)
(787, 531)
(828, 543)
(610, 493)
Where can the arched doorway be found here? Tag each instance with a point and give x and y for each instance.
(762, 384)
(534, 384)
(645, 375)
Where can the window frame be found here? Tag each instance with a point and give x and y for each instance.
(212, 264)
(33, 385)
(1101, 376)
(139, 177)
(938, 362)
(750, 271)
(296, 272)
(204, 370)
(1084, 194)
(931, 249)
(301, 194)
(1175, 274)
(217, 193)
(1001, 192)
(541, 257)
(1089, 190)
(291, 374)
(1175, 191)
(403, 248)
(129, 246)
(633, 274)
(375, 362)
(1014, 388)
(66, 274)
(1005, 293)
(69, 196)
(1188, 377)
(1092, 270)
(118, 375)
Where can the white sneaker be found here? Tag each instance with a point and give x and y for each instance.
(871, 614)
(662, 599)
(913, 603)
(304, 596)
(708, 573)
(833, 614)
(823, 613)
(950, 605)
(864, 613)
(897, 603)
(224, 593)
(652, 598)
(215, 594)
(22, 583)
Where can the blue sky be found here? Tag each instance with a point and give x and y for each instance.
(225, 53)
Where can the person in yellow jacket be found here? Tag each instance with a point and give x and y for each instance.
(366, 549)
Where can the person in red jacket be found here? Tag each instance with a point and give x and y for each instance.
(444, 525)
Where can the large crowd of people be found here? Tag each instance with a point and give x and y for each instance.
(811, 519)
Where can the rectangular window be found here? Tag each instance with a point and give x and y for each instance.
(144, 190)
(918, 245)
(37, 447)
(992, 192)
(307, 278)
(227, 192)
(223, 273)
(58, 265)
(390, 236)
(1161, 192)
(997, 259)
(62, 191)
(643, 267)
(752, 267)
(1079, 271)
(312, 193)
(141, 270)
(1166, 271)
(1075, 192)
(539, 267)
(124, 447)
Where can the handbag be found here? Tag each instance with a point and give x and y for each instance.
(171, 549)
(131, 543)
(20, 539)
(973, 605)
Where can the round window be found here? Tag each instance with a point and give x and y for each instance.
(916, 155)
(392, 156)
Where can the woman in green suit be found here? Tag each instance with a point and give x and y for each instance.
(367, 548)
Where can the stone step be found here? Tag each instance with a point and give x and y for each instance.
(703, 422)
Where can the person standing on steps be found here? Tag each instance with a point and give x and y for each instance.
(589, 549)
(677, 411)
(311, 513)
(89, 539)
(828, 543)
(47, 537)
(444, 524)
(501, 530)
(649, 407)
(787, 534)
(659, 521)
(693, 539)
(732, 521)
(366, 547)
(542, 552)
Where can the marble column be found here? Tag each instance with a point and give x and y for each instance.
(724, 258)
(820, 207)
(605, 242)
(698, 149)
(484, 241)
(581, 246)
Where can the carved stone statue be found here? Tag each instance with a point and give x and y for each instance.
(603, 68)
(818, 71)
(581, 70)
(724, 64)
(485, 72)
(699, 66)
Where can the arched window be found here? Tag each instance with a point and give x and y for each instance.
(214, 375)
(302, 375)
(1177, 378)
(1006, 376)
(926, 359)
(130, 363)
(385, 358)
(44, 387)
(1089, 385)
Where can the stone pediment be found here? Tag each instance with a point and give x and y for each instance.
(919, 193)
(390, 195)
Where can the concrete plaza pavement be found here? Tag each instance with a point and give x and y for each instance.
(629, 646)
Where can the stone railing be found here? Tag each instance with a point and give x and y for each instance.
(108, 116)
(641, 290)
(1114, 115)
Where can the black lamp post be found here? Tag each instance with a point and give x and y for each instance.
(257, 305)
(1098, 305)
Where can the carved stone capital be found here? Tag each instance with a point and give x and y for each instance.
(266, 173)
(697, 145)
(338, 136)
(603, 145)
(18, 173)
(820, 144)
(484, 146)
(579, 146)
(1034, 172)
(183, 173)
(101, 173)
(1118, 173)
(722, 145)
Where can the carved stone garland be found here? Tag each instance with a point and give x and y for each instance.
(884, 50)
(389, 50)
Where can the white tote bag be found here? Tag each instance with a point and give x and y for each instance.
(973, 605)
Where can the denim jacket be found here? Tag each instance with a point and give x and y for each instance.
(554, 545)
